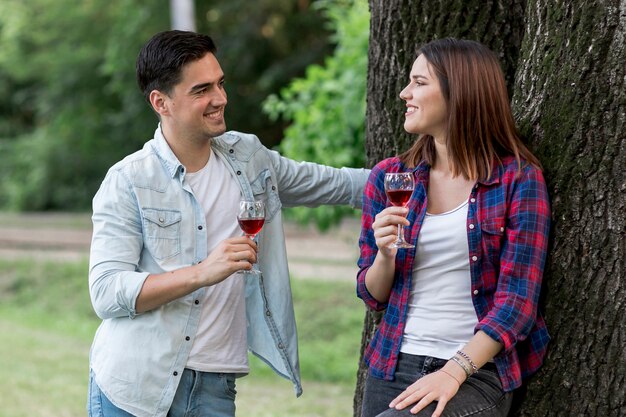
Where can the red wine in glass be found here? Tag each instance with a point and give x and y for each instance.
(399, 197)
(399, 188)
(251, 218)
(251, 226)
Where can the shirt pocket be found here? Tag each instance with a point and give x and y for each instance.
(162, 232)
(493, 230)
(265, 189)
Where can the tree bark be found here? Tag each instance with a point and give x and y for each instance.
(570, 100)
(565, 62)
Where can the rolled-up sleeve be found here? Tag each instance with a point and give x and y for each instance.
(522, 261)
(374, 202)
(114, 283)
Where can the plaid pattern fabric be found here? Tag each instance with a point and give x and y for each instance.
(507, 230)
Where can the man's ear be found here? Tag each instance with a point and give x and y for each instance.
(159, 102)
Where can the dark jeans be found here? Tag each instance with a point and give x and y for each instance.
(480, 396)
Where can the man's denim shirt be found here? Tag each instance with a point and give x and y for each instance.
(146, 220)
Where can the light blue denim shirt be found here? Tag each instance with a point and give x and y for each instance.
(146, 220)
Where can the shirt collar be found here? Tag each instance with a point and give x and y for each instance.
(422, 170)
(171, 162)
(496, 173)
(164, 152)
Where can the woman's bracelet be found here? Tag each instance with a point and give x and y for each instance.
(451, 376)
(468, 359)
(466, 368)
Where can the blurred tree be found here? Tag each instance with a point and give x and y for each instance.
(69, 105)
(326, 108)
(71, 70)
(261, 47)
(183, 14)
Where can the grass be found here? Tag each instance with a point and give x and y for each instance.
(47, 324)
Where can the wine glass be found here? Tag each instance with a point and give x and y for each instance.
(251, 217)
(399, 187)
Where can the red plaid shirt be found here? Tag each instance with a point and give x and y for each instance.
(508, 223)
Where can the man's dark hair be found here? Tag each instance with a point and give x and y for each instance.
(161, 60)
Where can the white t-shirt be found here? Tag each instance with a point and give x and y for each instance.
(221, 342)
(441, 316)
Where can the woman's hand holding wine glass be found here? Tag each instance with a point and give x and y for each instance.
(399, 187)
(385, 228)
(388, 233)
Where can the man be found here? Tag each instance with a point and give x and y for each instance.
(166, 248)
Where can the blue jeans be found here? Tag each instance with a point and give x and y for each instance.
(199, 394)
(480, 396)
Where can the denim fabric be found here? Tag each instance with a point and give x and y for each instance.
(204, 394)
(481, 395)
(146, 220)
(98, 405)
(199, 394)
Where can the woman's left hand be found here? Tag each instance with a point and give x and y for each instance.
(437, 386)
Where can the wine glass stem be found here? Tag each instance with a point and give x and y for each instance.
(253, 237)
(400, 237)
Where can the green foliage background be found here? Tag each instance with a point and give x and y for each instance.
(69, 105)
(326, 108)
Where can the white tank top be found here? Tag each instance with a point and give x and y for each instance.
(221, 343)
(441, 316)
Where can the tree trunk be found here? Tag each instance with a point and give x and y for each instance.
(570, 100)
(570, 103)
(183, 14)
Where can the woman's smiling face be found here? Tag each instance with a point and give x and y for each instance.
(427, 111)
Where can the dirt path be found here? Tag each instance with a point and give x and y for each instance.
(66, 237)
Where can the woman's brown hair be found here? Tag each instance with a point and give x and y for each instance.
(481, 128)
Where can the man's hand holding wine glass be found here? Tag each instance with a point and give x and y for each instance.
(232, 255)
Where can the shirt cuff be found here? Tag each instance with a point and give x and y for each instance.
(363, 293)
(498, 333)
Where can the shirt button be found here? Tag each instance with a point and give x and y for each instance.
(175, 373)
(474, 258)
(281, 346)
(273, 188)
(161, 219)
(238, 172)
(268, 313)
(200, 227)
(471, 226)
(231, 151)
(475, 292)
(187, 338)
(502, 229)
(473, 200)
(197, 302)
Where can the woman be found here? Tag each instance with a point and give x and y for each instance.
(461, 327)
